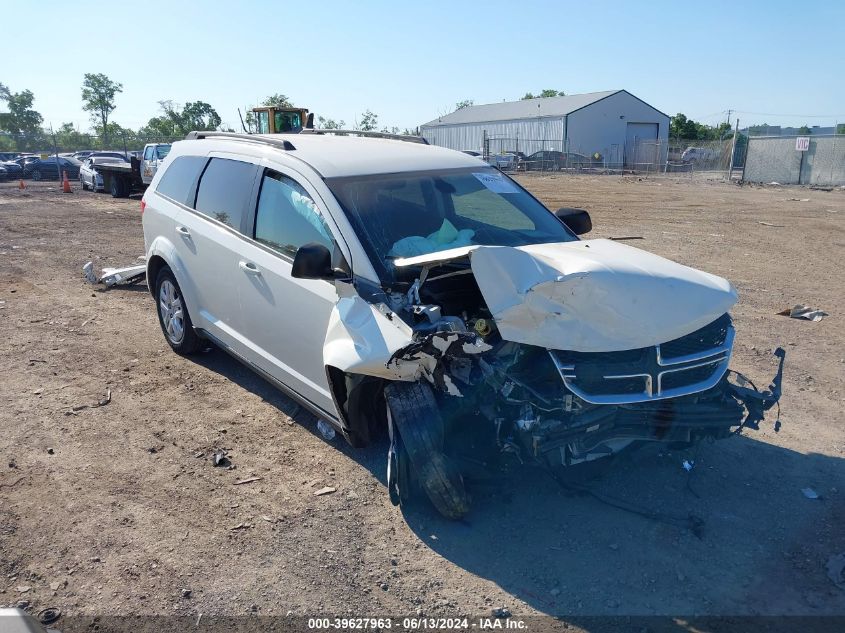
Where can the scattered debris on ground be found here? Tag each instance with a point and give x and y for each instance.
(804, 312)
(247, 481)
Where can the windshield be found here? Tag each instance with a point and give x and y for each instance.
(162, 151)
(408, 214)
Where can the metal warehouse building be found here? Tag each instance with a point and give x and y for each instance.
(623, 129)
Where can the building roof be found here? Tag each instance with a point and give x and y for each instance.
(523, 109)
(338, 156)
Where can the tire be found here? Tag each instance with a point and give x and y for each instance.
(36, 175)
(82, 183)
(118, 188)
(173, 317)
(417, 420)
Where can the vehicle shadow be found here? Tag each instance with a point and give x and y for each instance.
(762, 548)
(761, 551)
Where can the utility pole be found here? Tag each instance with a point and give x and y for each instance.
(733, 151)
(728, 118)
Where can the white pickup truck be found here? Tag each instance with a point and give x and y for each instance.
(123, 179)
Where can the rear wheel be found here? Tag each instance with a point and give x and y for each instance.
(83, 183)
(118, 188)
(173, 315)
(416, 418)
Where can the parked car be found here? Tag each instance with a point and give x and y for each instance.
(699, 155)
(395, 287)
(549, 160)
(89, 177)
(9, 156)
(504, 161)
(4, 174)
(13, 170)
(50, 168)
(83, 154)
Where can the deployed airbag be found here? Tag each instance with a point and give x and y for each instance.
(446, 237)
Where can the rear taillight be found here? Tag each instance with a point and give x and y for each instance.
(143, 205)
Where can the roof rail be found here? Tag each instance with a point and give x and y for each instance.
(250, 138)
(371, 134)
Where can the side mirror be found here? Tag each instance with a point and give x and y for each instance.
(314, 261)
(577, 220)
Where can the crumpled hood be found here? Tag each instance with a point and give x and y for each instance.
(595, 295)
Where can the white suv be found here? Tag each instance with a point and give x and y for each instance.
(391, 285)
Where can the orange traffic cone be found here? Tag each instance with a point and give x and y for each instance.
(22, 185)
(66, 184)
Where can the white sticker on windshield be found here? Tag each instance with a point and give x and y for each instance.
(496, 183)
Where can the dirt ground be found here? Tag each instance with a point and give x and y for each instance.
(117, 509)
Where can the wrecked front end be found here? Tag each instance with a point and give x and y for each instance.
(557, 354)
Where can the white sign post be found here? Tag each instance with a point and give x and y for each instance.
(802, 144)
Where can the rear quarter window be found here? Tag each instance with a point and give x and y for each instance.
(179, 180)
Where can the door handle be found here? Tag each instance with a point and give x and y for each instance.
(249, 268)
(183, 231)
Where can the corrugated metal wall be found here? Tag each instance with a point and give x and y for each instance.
(529, 135)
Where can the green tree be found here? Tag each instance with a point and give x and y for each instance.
(98, 95)
(368, 122)
(547, 92)
(840, 129)
(198, 115)
(173, 122)
(804, 130)
(466, 103)
(4, 92)
(69, 139)
(278, 99)
(113, 136)
(22, 121)
(759, 129)
(330, 124)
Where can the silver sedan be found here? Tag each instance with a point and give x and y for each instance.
(88, 176)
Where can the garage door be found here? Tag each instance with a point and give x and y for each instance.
(641, 149)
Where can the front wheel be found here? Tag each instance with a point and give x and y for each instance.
(173, 315)
(82, 183)
(416, 416)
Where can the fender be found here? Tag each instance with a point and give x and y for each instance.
(165, 249)
(361, 339)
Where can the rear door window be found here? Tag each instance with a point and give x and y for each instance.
(179, 181)
(287, 216)
(225, 189)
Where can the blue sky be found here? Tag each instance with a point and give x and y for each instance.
(772, 61)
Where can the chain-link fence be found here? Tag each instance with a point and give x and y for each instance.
(47, 156)
(47, 143)
(640, 157)
(820, 160)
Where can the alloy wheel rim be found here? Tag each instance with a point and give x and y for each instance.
(172, 312)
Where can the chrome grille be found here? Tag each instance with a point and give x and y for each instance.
(690, 364)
